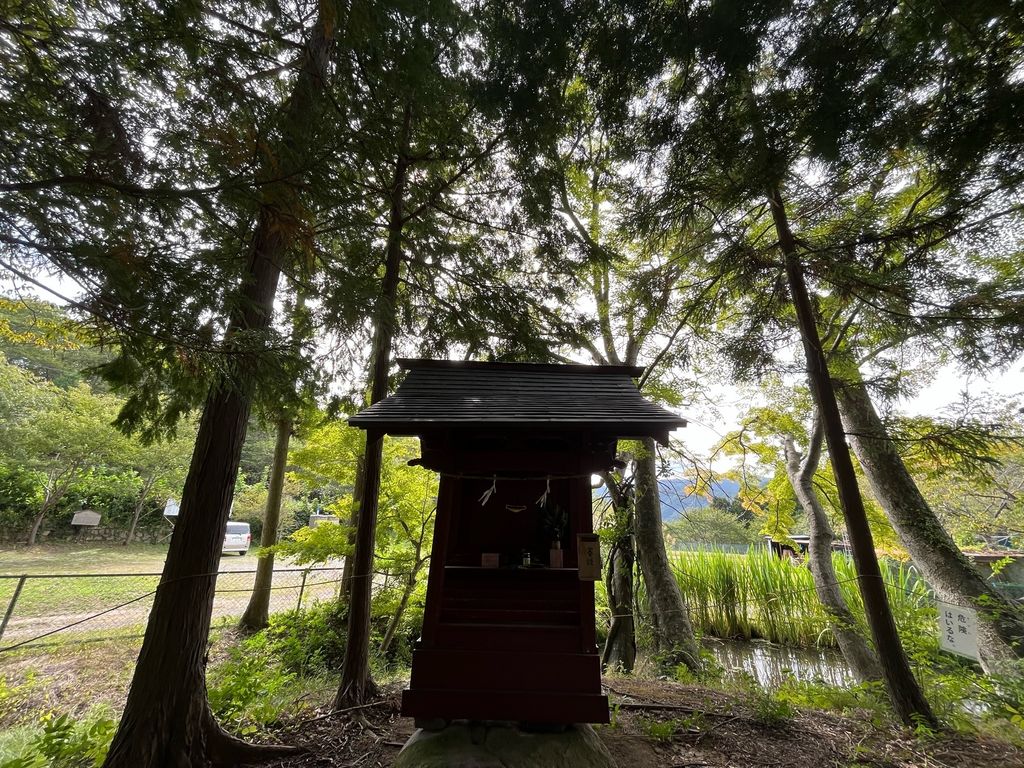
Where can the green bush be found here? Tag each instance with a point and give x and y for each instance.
(249, 691)
(66, 743)
(307, 642)
(20, 497)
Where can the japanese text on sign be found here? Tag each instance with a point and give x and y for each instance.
(589, 553)
(958, 630)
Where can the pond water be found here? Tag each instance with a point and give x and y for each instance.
(769, 664)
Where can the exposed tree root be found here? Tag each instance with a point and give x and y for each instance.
(224, 750)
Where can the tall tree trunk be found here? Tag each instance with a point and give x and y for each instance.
(620, 644)
(38, 523)
(907, 699)
(140, 503)
(953, 577)
(257, 613)
(167, 722)
(673, 634)
(357, 500)
(356, 685)
(55, 492)
(854, 647)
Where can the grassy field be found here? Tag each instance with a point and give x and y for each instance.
(98, 557)
(70, 583)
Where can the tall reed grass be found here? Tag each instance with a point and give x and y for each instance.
(760, 595)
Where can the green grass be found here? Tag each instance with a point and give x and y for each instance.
(92, 557)
(56, 586)
(42, 596)
(759, 595)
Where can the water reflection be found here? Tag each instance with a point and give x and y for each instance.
(769, 663)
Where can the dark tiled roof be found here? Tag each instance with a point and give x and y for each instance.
(441, 393)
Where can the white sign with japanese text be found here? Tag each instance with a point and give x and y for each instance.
(588, 548)
(958, 630)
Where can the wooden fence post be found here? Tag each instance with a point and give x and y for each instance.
(10, 606)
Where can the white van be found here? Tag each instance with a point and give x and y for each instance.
(237, 538)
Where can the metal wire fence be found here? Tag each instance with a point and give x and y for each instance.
(62, 607)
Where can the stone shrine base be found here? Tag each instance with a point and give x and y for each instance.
(503, 745)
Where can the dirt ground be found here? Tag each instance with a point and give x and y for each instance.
(667, 725)
(655, 723)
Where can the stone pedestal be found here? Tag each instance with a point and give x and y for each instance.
(503, 745)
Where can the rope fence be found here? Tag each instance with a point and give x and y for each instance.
(94, 606)
(37, 607)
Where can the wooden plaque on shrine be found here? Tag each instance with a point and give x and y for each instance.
(508, 629)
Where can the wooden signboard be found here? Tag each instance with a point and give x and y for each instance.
(589, 548)
(86, 517)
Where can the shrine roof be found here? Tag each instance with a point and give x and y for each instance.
(438, 394)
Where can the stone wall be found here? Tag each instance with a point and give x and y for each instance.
(150, 534)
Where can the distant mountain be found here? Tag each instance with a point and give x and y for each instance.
(675, 499)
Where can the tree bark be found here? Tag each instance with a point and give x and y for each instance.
(673, 634)
(907, 699)
(620, 645)
(357, 685)
(167, 722)
(353, 523)
(38, 523)
(257, 613)
(946, 569)
(403, 603)
(147, 486)
(166, 719)
(854, 647)
(53, 497)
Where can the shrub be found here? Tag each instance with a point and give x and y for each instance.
(66, 743)
(249, 691)
(307, 642)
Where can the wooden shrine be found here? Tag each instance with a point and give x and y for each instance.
(508, 628)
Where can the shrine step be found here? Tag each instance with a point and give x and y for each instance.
(444, 669)
(505, 615)
(494, 603)
(504, 636)
(520, 706)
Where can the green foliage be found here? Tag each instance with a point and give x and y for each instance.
(771, 708)
(963, 698)
(659, 730)
(759, 443)
(711, 671)
(65, 743)
(59, 453)
(862, 698)
(20, 496)
(307, 642)
(709, 526)
(310, 546)
(42, 338)
(250, 690)
(760, 595)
